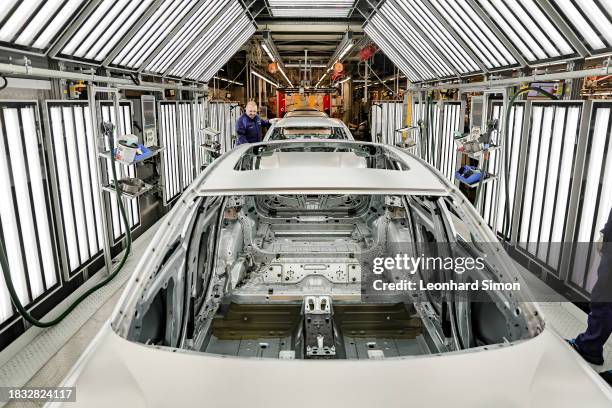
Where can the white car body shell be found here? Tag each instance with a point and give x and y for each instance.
(540, 372)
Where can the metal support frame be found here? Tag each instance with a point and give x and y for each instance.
(500, 35)
(503, 151)
(170, 35)
(118, 83)
(480, 86)
(153, 7)
(579, 172)
(108, 236)
(521, 169)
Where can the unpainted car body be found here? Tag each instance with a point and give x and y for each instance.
(276, 238)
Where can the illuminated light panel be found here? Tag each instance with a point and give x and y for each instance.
(474, 32)
(187, 145)
(315, 8)
(36, 23)
(77, 180)
(207, 28)
(223, 117)
(407, 34)
(595, 206)
(153, 32)
(532, 33)
(25, 214)
(104, 28)
(171, 155)
(590, 21)
(400, 62)
(554, 131)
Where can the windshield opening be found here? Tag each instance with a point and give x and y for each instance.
(287, 133)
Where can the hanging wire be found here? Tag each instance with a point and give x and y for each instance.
(381, 81)
(236, 77)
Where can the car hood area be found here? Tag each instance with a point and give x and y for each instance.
(540, 372)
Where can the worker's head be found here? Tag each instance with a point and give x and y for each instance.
(251, 109)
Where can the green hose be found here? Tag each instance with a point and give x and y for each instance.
(541, 91)
(128, 239)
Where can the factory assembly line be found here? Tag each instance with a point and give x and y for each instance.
(294, 202)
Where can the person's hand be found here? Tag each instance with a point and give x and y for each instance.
(599, 243)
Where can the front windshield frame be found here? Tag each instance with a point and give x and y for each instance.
(337, 133)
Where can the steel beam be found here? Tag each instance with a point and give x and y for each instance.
(121, 83)
(519, 80)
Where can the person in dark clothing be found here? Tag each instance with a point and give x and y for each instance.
(590, 343)
(249, 125)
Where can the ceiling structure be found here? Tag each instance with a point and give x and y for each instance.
(190, 40)
(318, 28)
(444, 39)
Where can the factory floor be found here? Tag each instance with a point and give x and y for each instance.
(46, 359)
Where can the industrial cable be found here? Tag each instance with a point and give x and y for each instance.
(380, 80)
(135, 79)
(235, 78)
(5, 84)
(541, 91)
(108, 129)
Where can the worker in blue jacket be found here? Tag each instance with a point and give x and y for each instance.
(590, 343)
(249, 125)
